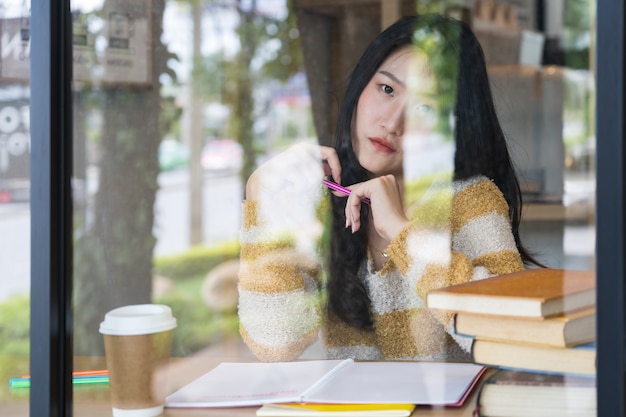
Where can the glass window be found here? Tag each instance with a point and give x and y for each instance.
(176, 103)
(14, 204)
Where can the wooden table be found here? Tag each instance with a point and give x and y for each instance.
(93, 401)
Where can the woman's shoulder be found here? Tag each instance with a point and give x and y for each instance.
(478, 181)
(478, 194)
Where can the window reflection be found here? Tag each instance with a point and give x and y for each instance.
(175, 105)
(200, 130)
(14, 198)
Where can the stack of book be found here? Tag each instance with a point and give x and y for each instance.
(532, 323)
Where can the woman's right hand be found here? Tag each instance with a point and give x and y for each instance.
(299, 169)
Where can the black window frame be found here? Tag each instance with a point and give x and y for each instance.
(51, 208)
(51, 353)
(610, 271)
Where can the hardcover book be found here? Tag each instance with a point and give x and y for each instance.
(579, 359)
(538, 293)
(563, 330)
(508, 393)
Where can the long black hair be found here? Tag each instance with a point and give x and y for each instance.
(480, 147)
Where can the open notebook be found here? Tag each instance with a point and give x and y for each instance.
(329, 381)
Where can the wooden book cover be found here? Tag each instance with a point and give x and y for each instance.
(563, 330)
(536, 293)
(520, 393)
(577, 360)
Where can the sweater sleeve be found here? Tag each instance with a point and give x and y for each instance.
(476, 243)
(279, 290)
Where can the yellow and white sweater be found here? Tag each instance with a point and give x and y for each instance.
(280, 291)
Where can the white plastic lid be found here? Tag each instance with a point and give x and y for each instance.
(138, 319)
(143, 412)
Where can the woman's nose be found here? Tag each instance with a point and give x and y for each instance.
(393, 120)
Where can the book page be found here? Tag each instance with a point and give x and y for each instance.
(246, 384)
(427, 383)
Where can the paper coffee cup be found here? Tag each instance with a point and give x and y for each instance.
(137, 343)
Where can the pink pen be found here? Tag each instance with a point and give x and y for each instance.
(344, 190)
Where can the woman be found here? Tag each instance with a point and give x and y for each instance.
(384, 260)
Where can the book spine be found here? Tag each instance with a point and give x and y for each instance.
(489, 380)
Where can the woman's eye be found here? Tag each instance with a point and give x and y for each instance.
(387, 89)
(424, 108)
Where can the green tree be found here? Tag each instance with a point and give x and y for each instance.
(232, 81)
(114, 241)
(114, 249)
(576, 38)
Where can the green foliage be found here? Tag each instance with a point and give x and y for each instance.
(198, 326)
(430, 6)
(414, 191)
(15, 326)
(214, 78)
(12, 366)
(288, 59)
(441, 44)
(170, 116)
(429, 199)
(577, 17)
(232, 81)
(577, 58)
(196, 261)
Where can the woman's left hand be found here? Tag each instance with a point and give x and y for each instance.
(386, 206)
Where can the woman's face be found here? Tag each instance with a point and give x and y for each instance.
(382, 110)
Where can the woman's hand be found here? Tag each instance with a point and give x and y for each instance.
(297, 170)
(386, 206)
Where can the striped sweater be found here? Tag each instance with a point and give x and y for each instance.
(281, 294)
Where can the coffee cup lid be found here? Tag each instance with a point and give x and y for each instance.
(138, 319)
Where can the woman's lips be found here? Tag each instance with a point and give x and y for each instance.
(382, 145)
